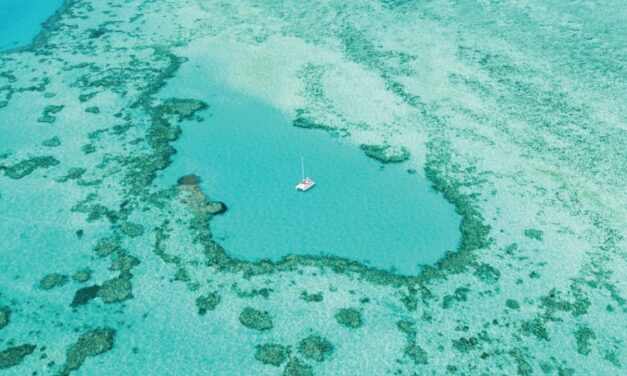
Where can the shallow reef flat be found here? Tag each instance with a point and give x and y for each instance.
(514, 111)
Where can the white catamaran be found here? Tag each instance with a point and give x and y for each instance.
(306, 182)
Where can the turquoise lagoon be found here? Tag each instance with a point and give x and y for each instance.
(20, 20)
(248, 155)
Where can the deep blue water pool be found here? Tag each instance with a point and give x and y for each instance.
(249, 156)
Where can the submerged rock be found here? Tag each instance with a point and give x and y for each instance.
(13, 356)
(89, 344)
(296, 367)
(305, 122)
(386, 154)
(84, 295)
(48, 114)
(190, 179)
(5, 316)
(315, 348)
(190, 193)
(25, 168)
(52, 142)
(107, 246)
(272, 354)
(82, 275)
(312, 298)
(183, 108)
(349, 317)
(215, 207)
(124, 263)
(53, 280)
(254, 319)
(207, 303)
(132, 229)
(116, 290)
(533, 233)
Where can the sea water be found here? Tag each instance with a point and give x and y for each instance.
(21, 20)
(248, 155)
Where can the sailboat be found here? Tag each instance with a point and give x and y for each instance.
(306, 183)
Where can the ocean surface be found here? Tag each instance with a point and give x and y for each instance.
(519, 107)
(249, 156)
(21, 20)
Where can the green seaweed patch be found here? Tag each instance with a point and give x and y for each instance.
(533, 233)
(512, 304)
(297, 367)
(475, 233)
(72, 174)
(414, 351)
(52, 142)
(316, 348)
(183, 108)
(132, 229)
(612, 358)
(117, 290)
(553, 303)
(465, 345)
(350, 318)
(26, 167)
(124, 263)
(460, 295)
(487, 273)
(583, 336)
(305, 122)
(254, 319)
(93, 110)
(272, 354)
(215, 207)
(85, 97)
(53, 280)
(312, 298)
(88, 148)
(386, 154)
(536, 328)
(523, 367)
(207, 302)
(107, 246)
(85, 295)
(263, 292)
(5, 316)
(13, 356)
(49, 112)
(90, 344)
(82, 275)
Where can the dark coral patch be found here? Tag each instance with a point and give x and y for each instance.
(296, 367)
(315, 348)
(116, 290)
(13, 356)
(349, 317)
(5, 316)
(254, 319)
(207, 303)
(89, 344)
(385, 154)
(25, 168)
(84, 295)
(53, 280)
(272, 354)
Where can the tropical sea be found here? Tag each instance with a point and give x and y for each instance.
(468, 215)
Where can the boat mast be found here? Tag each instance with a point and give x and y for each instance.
(302, 167)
